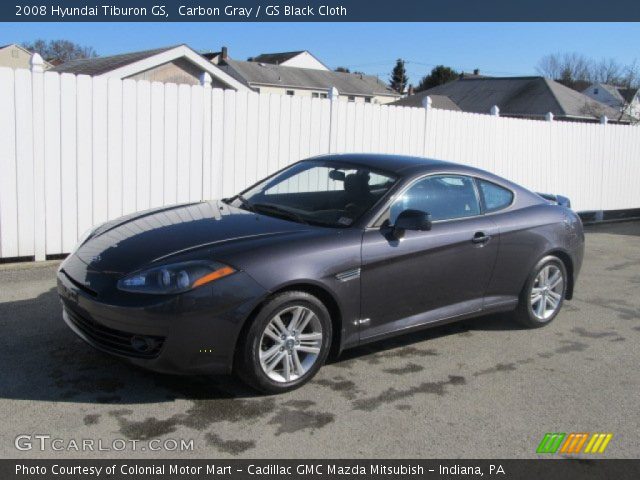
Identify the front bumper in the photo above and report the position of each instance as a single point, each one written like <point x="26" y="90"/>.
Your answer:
<point x="191" y="333"/>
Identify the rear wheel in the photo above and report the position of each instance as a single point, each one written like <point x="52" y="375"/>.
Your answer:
<point x="542" y="296"/>
<point x="286" y="344"/>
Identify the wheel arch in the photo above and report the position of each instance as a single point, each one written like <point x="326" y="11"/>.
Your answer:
<point x="565" y="258"/>
<point x="312" y="288"/>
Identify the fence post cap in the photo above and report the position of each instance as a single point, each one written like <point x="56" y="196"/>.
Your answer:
<point x="37" y="63"/>
<point x="495" y="111"/>
<point x="427" y="101"/>
<point x="333" y="93"/>
<point x="205" y="79"/>
<point x="604" y="120"/>
<point x="549" y="117"/>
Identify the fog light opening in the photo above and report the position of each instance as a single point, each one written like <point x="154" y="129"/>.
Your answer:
<point x="143" y="344"/>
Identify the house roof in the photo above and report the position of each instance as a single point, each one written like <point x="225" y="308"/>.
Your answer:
<point x="517" y="96"/>
<point x="282" y="57"/>
<point x="441" y="102"/>
<point x="210" y="55"/>
<point x="276" y="58"/>
<point x="260" y="74"/>
<point x="100" y="65"/>
<point x="621" y="93"/>
<point x="128" y="64"/>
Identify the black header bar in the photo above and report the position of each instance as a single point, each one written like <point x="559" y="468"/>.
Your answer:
<point x="319" y="11"/>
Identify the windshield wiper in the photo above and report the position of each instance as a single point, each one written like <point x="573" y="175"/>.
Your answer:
<point x="276" y="210"/>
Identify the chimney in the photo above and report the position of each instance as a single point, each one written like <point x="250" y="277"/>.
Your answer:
<point x="410" y="92"/>
<point x="476" y="71"/>
<point x="224" y="54"/>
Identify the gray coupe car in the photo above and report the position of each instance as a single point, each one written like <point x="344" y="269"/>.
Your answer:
<point x="329" y="253"/>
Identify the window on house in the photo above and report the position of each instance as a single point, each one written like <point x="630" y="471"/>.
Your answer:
<point x="367" y="100"/>
<point x="323" y="95"/>
<point x="14" y="53"/>
<point x="352" y="98"/>
<point x="595" y="91"/>
<point x="291" y="93"/>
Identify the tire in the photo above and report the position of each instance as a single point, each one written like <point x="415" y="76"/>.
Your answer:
<point x="539" y="308"/>
<point x="293" y="359"/>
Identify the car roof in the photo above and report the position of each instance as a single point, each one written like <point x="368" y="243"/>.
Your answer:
<point x="398" y="164"/>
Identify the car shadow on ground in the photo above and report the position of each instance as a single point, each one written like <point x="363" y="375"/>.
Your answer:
<point x="43" y="360"/>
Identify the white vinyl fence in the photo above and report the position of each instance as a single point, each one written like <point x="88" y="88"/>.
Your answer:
<point x="76" y="151"/>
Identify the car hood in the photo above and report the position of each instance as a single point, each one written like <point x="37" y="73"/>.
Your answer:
<point x="132" y="242"/>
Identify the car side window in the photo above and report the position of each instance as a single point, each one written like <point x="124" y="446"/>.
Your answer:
<point x="495" y="197"/>
<point x="445" y="197"/>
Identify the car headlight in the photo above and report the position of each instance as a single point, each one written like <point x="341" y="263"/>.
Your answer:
<point x="174" y="278"/>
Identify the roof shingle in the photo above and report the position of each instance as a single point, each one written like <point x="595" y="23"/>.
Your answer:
<point x="517" y="96"/>
<point x="100" y="65"/>
<point x="275" y="58"/>
<point x="256" y="74"/>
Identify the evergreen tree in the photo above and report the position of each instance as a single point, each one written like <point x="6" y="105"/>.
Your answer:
<point x="438" y="76"/>
<point x="399" y="77"/>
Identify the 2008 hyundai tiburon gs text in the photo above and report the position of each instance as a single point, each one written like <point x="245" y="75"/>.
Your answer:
<point x="326" y="254"/>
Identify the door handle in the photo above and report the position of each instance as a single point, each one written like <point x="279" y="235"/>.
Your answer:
<point x="480" y="237"/>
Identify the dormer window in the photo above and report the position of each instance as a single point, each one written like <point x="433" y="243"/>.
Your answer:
<point x="595" y="91"/>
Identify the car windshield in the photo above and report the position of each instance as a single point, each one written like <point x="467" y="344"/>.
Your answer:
<point x="317" y="192"/>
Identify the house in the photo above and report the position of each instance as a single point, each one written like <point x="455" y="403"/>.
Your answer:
<point x="623" y="99"/>
<point x="214" y="57"/>
<point x="311" y="82"/>
<point x="522" y="97"/>
<point x="178" y="64"/>
<point x="14" y="56"/>
<point x="299" y="59"/>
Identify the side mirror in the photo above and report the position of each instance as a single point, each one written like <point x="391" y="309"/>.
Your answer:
<point x="411" y="220"/>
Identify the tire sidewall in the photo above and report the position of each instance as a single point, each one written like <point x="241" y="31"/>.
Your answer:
<point x="251" y="359"/>
<point x="526" y="294"/>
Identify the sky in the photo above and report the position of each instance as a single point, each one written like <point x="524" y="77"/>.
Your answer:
<point x="500" y="49"/>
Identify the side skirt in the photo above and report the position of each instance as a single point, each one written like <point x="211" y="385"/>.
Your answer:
<point x="501" y="304"/>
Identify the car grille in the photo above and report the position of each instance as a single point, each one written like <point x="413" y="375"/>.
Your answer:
<point x="117" y="341"/>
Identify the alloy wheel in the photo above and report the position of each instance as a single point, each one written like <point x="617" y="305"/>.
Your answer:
<point x="546" y="292"/>
<point x="290" y="344"/>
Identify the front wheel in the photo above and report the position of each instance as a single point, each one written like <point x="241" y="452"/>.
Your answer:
<point x="286" y="344"/>
<point x="542" y="296"/>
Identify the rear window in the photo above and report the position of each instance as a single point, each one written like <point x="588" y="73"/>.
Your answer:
<point x="495" y="197"/>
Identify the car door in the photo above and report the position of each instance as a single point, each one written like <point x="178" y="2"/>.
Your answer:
<point x="427" y="276"/>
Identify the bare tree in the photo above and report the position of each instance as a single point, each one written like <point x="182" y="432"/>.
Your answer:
<point x="571" y="69"/>
<point x="631" y="75"/>
<point x="607" y="70"/>
<point x="60" y="51"/>
<point x="577" y="71"/>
